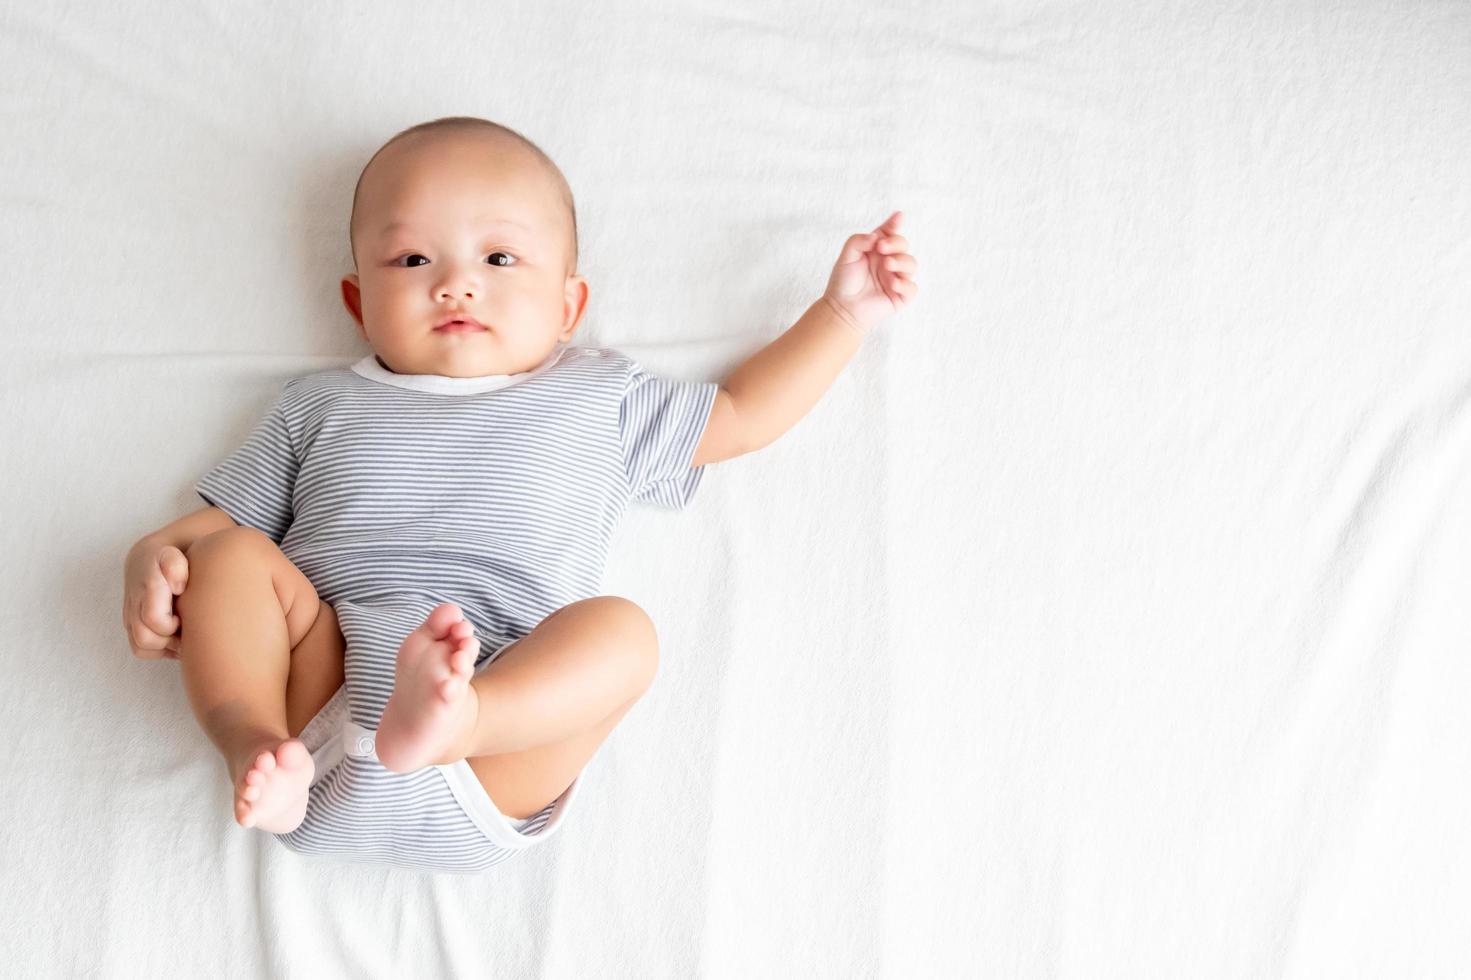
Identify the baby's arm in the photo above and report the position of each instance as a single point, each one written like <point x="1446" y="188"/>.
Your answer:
<point x="780" y="383"/>
<point x="189" y="528"/>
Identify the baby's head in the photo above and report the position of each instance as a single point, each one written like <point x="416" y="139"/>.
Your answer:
<point x="463" y="217"/>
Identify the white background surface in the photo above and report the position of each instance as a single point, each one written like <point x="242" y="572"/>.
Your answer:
<point x="1107" y="618"/>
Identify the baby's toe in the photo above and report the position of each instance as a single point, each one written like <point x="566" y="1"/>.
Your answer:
<point x="292" y="754"/>
<point x="442" y="618"/>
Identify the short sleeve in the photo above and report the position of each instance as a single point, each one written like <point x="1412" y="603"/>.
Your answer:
<point x="254" y="484"/>
<point x="660" y="422"/>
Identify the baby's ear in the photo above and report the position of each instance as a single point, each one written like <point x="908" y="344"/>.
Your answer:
<point x="352" y="297"/>
<point x="574" y="304"/>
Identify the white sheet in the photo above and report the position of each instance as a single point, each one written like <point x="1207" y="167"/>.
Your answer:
<point x="1107" y="618"/>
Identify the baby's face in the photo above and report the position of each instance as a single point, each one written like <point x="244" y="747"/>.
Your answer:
<point x="462" y="226"/>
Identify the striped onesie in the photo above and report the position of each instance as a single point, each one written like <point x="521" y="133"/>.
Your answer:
<point x="393" y="493"/>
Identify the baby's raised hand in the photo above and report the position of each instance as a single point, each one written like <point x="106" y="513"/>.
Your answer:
<point x="152" y="575"/>
<point x="873" y="278"/>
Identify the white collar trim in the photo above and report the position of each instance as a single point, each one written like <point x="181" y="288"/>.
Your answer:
<point x="439" y="384"/>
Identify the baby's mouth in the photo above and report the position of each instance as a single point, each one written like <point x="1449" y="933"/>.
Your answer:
<point x="459" y="325"/>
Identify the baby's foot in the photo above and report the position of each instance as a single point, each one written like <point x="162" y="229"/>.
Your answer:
<point x="272" y="793"/>
<point x="432" y="705"/>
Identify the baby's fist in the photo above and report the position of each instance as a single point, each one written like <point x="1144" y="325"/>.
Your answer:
<point x="873" y="277"/>
<point x="152" y="576"/>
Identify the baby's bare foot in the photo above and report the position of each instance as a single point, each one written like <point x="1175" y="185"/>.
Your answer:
<point x="432" y="706"/>
<point x="272" y="793"/>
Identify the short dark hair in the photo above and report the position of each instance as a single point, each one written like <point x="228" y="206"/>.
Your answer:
<point x="471" y="124"/>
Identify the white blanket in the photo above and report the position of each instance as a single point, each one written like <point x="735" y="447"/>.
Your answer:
<point x="1108" y="617"/>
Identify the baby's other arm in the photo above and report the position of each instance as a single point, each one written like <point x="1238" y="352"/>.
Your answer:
<point x="772" y="390"/>
<point x="189" y="528"/>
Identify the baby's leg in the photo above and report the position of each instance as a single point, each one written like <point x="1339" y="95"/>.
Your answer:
<point x="531" y="719"/>
<point x="260" y="654"/>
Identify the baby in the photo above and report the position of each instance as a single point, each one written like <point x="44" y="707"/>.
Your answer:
<point x="460" y="484"/>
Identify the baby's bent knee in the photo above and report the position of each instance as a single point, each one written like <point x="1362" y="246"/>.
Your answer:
<point x="634" y="629"/>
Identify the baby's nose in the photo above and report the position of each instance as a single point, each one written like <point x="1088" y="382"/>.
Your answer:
<point x="458" y="281"/>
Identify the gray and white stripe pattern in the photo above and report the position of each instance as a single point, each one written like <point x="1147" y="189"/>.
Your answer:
<point x="394" y="493"/>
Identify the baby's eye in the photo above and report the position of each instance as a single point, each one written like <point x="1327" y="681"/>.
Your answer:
<point x="412" y="255"/>
<point x="492" y="256"/>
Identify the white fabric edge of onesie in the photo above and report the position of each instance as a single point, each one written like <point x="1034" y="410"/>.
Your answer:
<point x="322" y="736"/>
<point x="482" y="811"/>
<point x="439" y="384"/>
